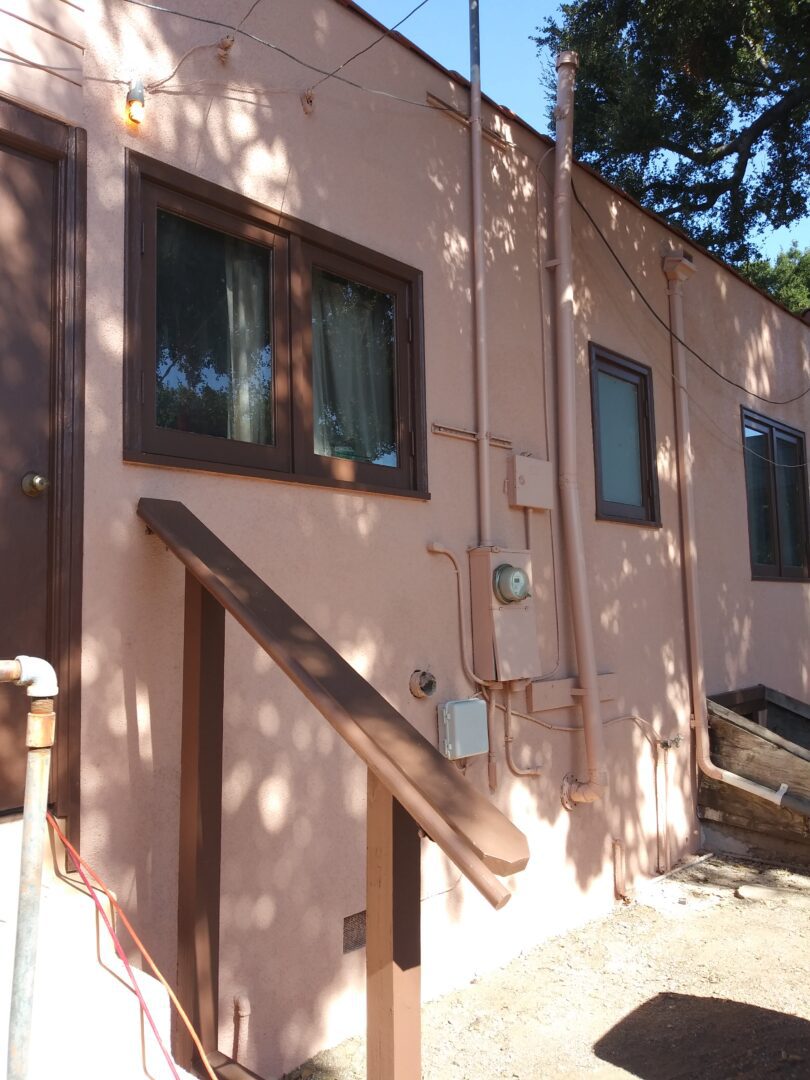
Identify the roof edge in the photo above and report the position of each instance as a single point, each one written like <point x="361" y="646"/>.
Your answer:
<point x="464" y="82"/>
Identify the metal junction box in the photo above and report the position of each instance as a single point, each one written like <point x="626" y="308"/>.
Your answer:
<point x="504" y="633"/>
<point x="463" y="728"/>
<point x="530" y="482"/>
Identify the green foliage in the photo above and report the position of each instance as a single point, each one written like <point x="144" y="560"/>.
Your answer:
<point x="700" y="110"/>
<point x="787" y="279"/>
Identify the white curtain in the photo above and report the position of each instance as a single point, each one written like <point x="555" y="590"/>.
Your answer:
<point x="353" y="370"/>
<point x="248" y="349"/>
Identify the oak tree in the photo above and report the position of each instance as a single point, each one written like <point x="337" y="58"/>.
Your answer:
<point x="699" y="110"/>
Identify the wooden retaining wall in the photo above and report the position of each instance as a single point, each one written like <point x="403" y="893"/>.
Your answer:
<point x="739" y="823"/>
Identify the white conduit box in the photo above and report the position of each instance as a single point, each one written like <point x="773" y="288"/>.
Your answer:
<point x="530" y="482"/>
<point x="463" y="728"/>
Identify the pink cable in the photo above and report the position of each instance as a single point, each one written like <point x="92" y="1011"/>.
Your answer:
<point x="119" y="949"/>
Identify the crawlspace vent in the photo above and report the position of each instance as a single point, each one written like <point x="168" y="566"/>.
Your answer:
<point x="354" y="932"/>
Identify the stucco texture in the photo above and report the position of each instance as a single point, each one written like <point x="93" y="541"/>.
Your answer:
<point x="395" y="176"/>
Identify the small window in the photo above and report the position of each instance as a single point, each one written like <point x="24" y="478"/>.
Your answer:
<point x="258" y="344"/>
<point x="624" y="439"/>
<point x="776" y="487"/>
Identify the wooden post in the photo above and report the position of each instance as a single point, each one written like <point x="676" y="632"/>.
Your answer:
<point x="393" y="950"/>
<point x="200" y="817"/>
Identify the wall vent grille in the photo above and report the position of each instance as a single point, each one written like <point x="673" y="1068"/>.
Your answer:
<point x="354" y="932"/>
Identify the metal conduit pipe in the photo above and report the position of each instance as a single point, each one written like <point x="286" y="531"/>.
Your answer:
<point x="479" y="263"/>
<point x="508" y="739"/>
<point x="591" y="790"/>
<point x="656" y="742"/>
<point x="440" y="549"/>
<point x="678" y="268"/>
<point x="40" y="679"/>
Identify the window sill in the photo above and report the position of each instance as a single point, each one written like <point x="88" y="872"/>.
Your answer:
<point x="780" y="578"/>
<point x="165" y="461"/>
<point x="644" y="523"/>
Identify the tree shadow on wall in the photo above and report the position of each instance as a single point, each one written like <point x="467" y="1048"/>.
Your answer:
<point x="675" y="1036"/>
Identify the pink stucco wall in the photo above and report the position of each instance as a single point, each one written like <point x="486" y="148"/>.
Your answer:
<point x="395" y="177"/>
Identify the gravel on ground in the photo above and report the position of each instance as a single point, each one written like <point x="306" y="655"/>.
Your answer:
<point x="688" y="980"/>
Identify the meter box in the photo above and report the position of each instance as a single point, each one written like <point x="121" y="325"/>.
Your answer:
<point x="463" y="728"/>
<point x="504" y="624"/>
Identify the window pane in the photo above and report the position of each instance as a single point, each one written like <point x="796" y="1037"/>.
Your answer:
<point x="760" y="496"/>
<point x="790" y="478"/>
<point x="353" y="370"/>
<point x="619" y="440"/>
<point x="214" y="361"/>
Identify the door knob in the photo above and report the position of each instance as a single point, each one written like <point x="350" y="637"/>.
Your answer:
<point x="34" y="484"/>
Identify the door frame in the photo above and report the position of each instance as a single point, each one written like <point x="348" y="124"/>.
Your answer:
<point x="65" y="146"/>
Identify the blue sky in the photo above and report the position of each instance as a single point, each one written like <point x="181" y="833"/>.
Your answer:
<point x="510" y="67"/>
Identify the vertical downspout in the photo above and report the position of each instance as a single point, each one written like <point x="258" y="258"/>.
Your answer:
<point x="678" y="268"/>
<point x="481" y="375"/>
<point x="590" y="790"/>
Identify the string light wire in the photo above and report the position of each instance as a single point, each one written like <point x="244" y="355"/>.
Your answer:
<point x="367" y="48"/>
<point x="284" y="52"/>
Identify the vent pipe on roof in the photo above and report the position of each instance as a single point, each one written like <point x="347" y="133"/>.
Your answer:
<point x="591" y="790"/>
<point x="479" y="262"/>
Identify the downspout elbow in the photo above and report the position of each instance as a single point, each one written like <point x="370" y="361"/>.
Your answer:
<point x="582" y="792"/>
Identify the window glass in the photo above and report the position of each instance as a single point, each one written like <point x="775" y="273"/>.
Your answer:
<point x="619" y="441"/>
<point x="789" y="500"/>
<point x="760" y="505"/>
<point x="353" y="370"/>
<point x="214" y="357"/>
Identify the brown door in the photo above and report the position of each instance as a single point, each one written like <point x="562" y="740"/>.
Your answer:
<point x="28" y="230"/>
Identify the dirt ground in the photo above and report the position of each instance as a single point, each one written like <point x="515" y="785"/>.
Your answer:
<point x="689" y="980"/>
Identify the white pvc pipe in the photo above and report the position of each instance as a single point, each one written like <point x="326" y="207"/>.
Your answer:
<point x="479" y="263"/>
<point x="38" y="676"/>
<point x="592" y="789"/>
<point x="679" y="268"/>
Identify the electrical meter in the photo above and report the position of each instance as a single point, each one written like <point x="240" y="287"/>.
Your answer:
<point x="511" y="583"/>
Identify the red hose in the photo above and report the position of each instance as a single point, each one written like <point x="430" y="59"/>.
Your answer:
<point x="123" y="956"/>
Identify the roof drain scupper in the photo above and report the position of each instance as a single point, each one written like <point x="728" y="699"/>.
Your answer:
<point x="574" y="791"/>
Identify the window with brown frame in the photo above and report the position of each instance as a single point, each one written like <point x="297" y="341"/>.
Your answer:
<point x="623" y="439"/>
<point x="776" y="490"/>
<point x="261" y="345"/>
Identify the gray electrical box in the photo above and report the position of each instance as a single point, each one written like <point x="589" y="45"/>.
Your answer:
<point x="463" y="728"/>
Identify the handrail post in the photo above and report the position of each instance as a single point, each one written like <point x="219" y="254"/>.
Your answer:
<point x="39" y="739"/>
<point x="200" y="817"/>
<point x="393" y="939"/>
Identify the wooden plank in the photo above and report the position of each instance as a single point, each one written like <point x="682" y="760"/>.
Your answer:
<point x="200" y="817"/>
<point x="475" y="835"/>
<point x="748" y="699"/>
<point x="746" y="811"/>
<point x="718" y="836"/>
<point x="393" y="951"/>
<point x="719" y="714"/>
<point x="543" y="695"/>
<point x="793" y="705"/>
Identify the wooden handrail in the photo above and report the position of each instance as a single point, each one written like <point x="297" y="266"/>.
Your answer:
<point x="472" y="832"/>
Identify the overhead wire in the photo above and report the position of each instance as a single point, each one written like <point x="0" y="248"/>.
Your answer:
<point x="284" y="52"/>
<point x="725" y="437"/>
<point x="367" y="48"/>
<point x="706" y="363"/>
